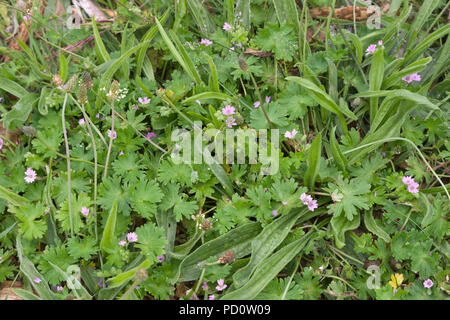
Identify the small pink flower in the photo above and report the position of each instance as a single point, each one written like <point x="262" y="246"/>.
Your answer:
<point x="122" y="243"/>
<point x="211" y="297"/>
<point x="198" y="102"/>
<point x="221" y="285"/>
<point x="370" y="49"/>
<point x="112" y="134"/>
<point x="267" y="99"/>
<point x="84" y="211"/>
<point x="144" y="100"/>
<point x="312" y="205"/>
<point x="228" y="110"/>
<point x="256" y="104"/>
<point x="30" y="175"/>
<point x="1" y="143"/>
<point x="205" y="285"/>
<point x="206" y="42"/>
<point x="199" y="264"/>
<point x="380" y="43"/>
<point x="284" y="203"/>
<point x="412" y="77"/>
<point x="81" y="121"/>
<point x="226" y="26"/>
<point x="428" y="283"/>
<point x="121" y="153"/>
<point x="407" y="180"/>
<point x="37" y="280"/>
<point x="97" y="115"/>
<point x="160" y="258"/>
<point x="308" y="201"/>
<point x="150" y="135"/>
<point x="132" y="237"/>
<point x="290" y="135"/>
<point x="59" y="288"/>
<point x="413" y="188"/>
<point x="274" y="212"/>
<point x="230" y="122"/>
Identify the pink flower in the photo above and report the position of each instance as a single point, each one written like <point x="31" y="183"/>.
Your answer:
<point x="312" y="205"/>
<point x="132" y="237"/>
<point x="380" y="43"/>
<point x="413" y="186"/>
<point x="370" y="49"/>
<point x="150" y="135"/>
<point x="230" y="122"/>
<point x="160" y="258"/>
<point x="305" y="198"/>
<point x="211" y="297"/>
<point x="37" y="280"/>
<point x="198" y="102"/>
<point x="284" y="203"/>
<point x="121" y="153"/>
<point x="84" y="211"/>
<point x="81" y="121"/>
<point x="290" y="135"/>
<point x="267" y="99"/>
<point x="407" y="180"/>
<point x="274" y="212"/>
<point x="308" y="201"/>
<point x="199" y="264"/>
<point x="205" y="285"/>
<point x="122" y="243"/>
<point x="412" y="77"/>
<point x="97" y="115"/>
<point x="144" y="100"/>
<point x="59" y="288"/>
<point x="206" y="42"/>
<point x="428" y="283"/>
<point x="1" y="143"/>
<point x="221" y="285"/>
<point x="228" y="110"/>
<point x="226" y="26"/>
<point x="30" y="175"/>
<point x="256" y="104"/>
<point x="112" y="134"/>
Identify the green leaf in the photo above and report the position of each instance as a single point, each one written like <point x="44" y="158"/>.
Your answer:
<point x="21" y="110"/>
<point x="126" y="276"/>
<point x="12" y="197"/>
<point x="110" y="227"/>
<point x="206" y="96"/>
<point x="13" y="88"/>
<point x="340" y="225"/>
<point x="338" y="157"/>
<point x="265" y="243"/>
<point x="353" y="195"/>
<point x="218" y="246"/>
<point x="322" y="97"/>
<point x="30" y="271"/>
<point x="268" y="269"/>
<point x="313" y="162"/>
<point x="102" y="54"/>
<point x="374" y="227"/>
<point x="376" y="78"/>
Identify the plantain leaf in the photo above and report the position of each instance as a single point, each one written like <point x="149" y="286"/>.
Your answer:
<point x="374" y="227"/>
<point x="268" y="269"/>
<point x="110" y="227"/>
<point x="313" y="162"/>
